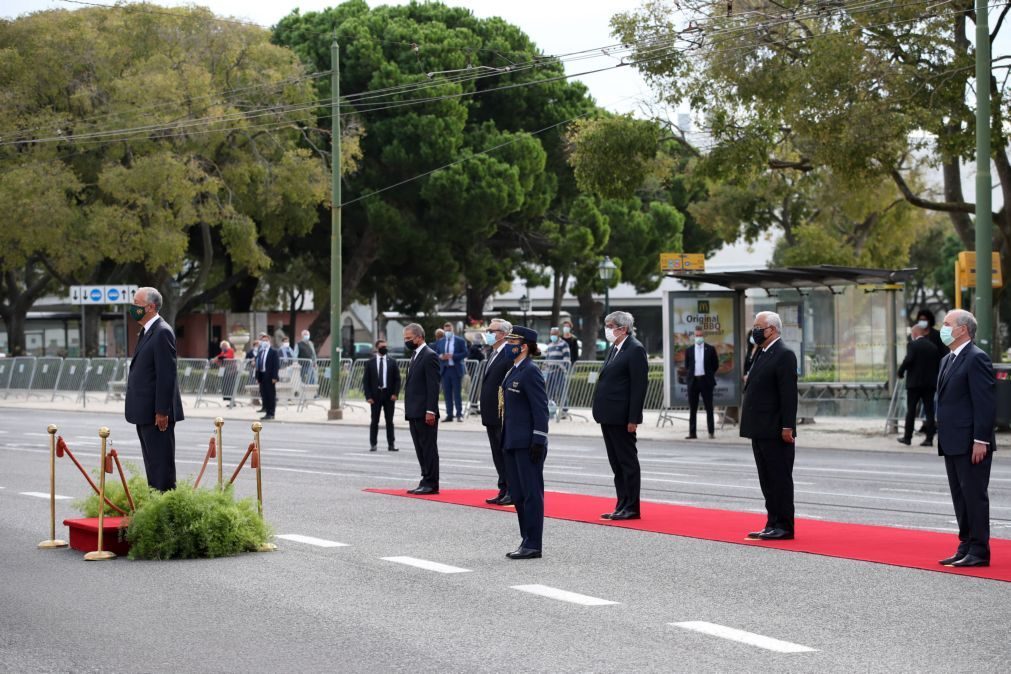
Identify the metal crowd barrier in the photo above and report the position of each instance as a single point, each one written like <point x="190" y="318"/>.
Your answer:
<point x="6" y="367"/>
<point x="22" y="369"/>
<point x="99" y="372"/>
<point x="45" y="376"/>
<point x="70" y="381"/>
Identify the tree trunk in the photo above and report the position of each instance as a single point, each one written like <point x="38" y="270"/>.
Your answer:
<point x="558" y="292"/>
<point x="14" y="323"/>
<point x="590" y="311"/>
<point x="92" y="330"/>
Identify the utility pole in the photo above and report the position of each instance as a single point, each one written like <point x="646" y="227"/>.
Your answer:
<point x="984" y="220"/>
<point x="336" y="265"/>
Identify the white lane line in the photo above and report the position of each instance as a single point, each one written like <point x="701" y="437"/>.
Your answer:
<point x="563" y="595"/>
<point x="36" y="435"/>
<point x="270" y="450"/>
<point x="426" y="564"/>
<point x="657" y="472"/>
<point x="750" y="638"/>
<point x="39" y="494"/>
<point x="311" y="540"/>
<point x="914" y="491"/>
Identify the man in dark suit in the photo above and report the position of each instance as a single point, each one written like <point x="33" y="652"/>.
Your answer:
<point x="571" y="340"/>
<point x="421" y="405"/>
<point x="381" y="384"/>
<point x="268" y="367"/>
<point x="769" y="418"/>
<point x="966" y="412"/>
<point x="618" y="400"/>
<point x="525" y="439"/>
<point x="921" y="366"/>
<point x="701" y="363"/>
<point x="495" y="370"/>
<point x="452" y="352"/>
<point x="152" y="390"/>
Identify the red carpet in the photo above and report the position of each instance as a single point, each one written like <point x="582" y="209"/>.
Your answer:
<point x="882" y="545"/>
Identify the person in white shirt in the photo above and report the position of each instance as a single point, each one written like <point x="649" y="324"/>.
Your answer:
<point x="701" y="363"/>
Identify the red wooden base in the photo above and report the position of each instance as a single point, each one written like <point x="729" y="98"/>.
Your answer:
<point x="84" y="534"/>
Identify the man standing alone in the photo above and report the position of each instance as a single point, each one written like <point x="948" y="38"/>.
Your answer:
<point x="618" y="400"/>
<point x="421" y="404"/>
<point x="701" y="363"/>
<point x="769" y="418"/>
<point x="452" y="352"/>
<point x="268" y="368"/>
<point x="966" y="411"/>
<point x="919" y="368"/>
<point x="152" y="390"/>
<point x="381" y="384"/>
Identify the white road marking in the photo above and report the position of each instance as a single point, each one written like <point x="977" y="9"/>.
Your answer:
<point x="743" y="637"/>
<point x="914" y="491"/>
<point x="36" y="435"/>
<point x="270" y="450"/>
<point x="563" y="595"/>
<point x="426" y="564"/>
<point x="311" y="540"/>
<point x="656" y="472"/>
<point x="39" y="494"/>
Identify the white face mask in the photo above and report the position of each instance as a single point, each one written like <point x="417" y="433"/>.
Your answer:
<point x="305" y="337"/>
<point x="923" y="324"/>
<point x="609" y="335"/>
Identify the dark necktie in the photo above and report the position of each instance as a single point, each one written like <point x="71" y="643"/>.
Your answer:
<point x="382" y="380"/>
<point x="948" y="362"/>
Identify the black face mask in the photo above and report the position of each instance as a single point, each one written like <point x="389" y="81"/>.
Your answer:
<point x="383" y="350"/>
<point x="758" y="334"/>
<point x="410" y="346"/>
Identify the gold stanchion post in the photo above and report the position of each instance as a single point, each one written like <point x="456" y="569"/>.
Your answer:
<point x="219" y="422"/>
<point x="53" y="542"/>
<point x="103" y="433"/>
<point x="257" y="427"/>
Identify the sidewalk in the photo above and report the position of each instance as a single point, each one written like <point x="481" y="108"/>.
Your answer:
<point x="827" y="432"/>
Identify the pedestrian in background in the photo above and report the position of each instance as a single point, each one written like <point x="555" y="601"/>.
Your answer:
<point x="701" y="363"/>
<point x="966" y="413"/>
<point x="452" y="352"/>
<point x="225" y="352"/>
<point x="920" y="369"/>
<point x="306" y="351"/>
<point x="381" y="385"/>
<point x="268" y="364"/>
<point x="618" y="400"/>
<point x="769" y="418"/>
<point x="525" y="439"/>
<point x="153" y="402"/>
<point x="558" y="360"/>
<point x="499" y="363"/>
<point x="570" y="340"/>
<point x="421" y="405"/>
<point x="286" y="351"/>
<point x="925" y="320"/>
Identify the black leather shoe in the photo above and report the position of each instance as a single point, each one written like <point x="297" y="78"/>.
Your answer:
<point x="927" y="443"/>
<point x="756" y="535"/>
<point x="691" y="437"/>
<point x="426" y="491"/>
<point x="459" y="417"/>
<point x="951" y="560"/>
<point x="266" y="417"/>
<point x="506" y="500"/>
<point x="413" y="491"/>
<point x="392" y="449"/>
<point x="776" y="535"/>
<point x="372" y="448"/>
<point x="904" y="441"/>
<point x="712" y="436"/>
<point x="969" y="561"/>
<point x="625" y="515"/>
<point x="494" y="499"/>
<point x="607" y="516"/>
<point x="447" y="419"/>
<point x="524" y="553"/>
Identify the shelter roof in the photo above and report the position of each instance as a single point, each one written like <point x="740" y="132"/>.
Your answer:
<point x="829" y="276"/>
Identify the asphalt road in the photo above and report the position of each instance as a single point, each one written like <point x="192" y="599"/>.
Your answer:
<point x="351" y="608"/>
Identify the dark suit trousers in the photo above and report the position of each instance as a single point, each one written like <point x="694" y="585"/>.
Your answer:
<point x="452" y="391"/>
<point x="774" y="459"/>
<point x="426" y="446"/>
<point x="495" y="442"/>
<point x="968" y="485"/>
<point x="914" y="396"/>
<point x="382" y="405"/>
<point x="159" y="451"/>
<point x="624" y="459"/>
<point x="526" y="487"/>
<point x="696" y="388"/>
<point x="268" y="395"/>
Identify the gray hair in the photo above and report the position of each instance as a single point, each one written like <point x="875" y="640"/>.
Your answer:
<point x="963" y="317"/>
<point x="151" y="296"/>
<point x="415" y="330"/>
<point x="772" y="318"/>
<point x="622" y="319"/>
<point x="504" y="325"/>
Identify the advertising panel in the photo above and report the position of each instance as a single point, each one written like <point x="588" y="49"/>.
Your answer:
<point x="716" y="313"/>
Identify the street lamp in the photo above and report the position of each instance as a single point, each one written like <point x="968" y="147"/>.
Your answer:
<point x="606" y="270"/>
<point x="524" y="307"/>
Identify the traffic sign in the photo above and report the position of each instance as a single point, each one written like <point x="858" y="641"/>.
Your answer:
<point x="682" y="262"/>
<point x="966" y="270"/>
<point x="118" y="294"/>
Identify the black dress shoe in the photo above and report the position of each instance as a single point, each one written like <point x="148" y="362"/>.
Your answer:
<point x="691" y="437"/>
<point x="951" y="560"/>
<point x="625" y="515"/>
<point x="776" y="535"/>
<point x="493" y="500"/>
<point x="927" y="443"/>
<point x="524" y="553"/>
<point x="607" y="516"/>
<point x="392" y="449"/>
<point x="372" y="448"/>
<point x="904" y="441"/>
<point x="266" y="417"/>
<point x="413" y="491"/>
<point x="447" y="419"/>
<point x="969" y="561"/>
<point x="506" y="500"/>
<point x="712" y="436"/>
<point x="426" y="491"/>
<point x="757" y="535"/>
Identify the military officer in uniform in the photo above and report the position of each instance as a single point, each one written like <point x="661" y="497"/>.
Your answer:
<point x="524" y="406"/>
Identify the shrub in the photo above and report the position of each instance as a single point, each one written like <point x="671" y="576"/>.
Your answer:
<point x="139" y="489"/>
<point x="188" y="523"/>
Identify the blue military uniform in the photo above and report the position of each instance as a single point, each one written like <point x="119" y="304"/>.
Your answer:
<point x="524" y="404"/>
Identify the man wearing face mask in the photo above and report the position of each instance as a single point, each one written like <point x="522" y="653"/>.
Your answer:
<point x="152" y="390"/>
<point x="421" y="404"/>
<point x="524" y="405"/>
<point x="701" y="363"/>
<point x="966" y="412"/>
<point x="919" y="368"/>
<point x="769" y="418"/>
<point x="452" y="352"/>
<point x="268" y="368"/>
<point x="556" y="368"/>
<point x="495" y="369"/>
<point x="381" y="384"/>
<point x="570" y="340"/>
<point x="618" y="400"/>
<point x="306" y="351"/>
<point x="925" y="321"/>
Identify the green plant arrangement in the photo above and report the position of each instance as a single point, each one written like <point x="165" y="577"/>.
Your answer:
<point x="139" y="489"/>
<point x="188" y="523"/>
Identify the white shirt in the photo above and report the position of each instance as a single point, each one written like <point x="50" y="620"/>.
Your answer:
<point x="769" y="345"/>
<point x="700" y="360"/>
<point x="494" y="355"/>
<point x="147" y="326"/>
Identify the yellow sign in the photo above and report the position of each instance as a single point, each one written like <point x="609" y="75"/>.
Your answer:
<point x="966" y="269"/>
<point x="681" y="262"/>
